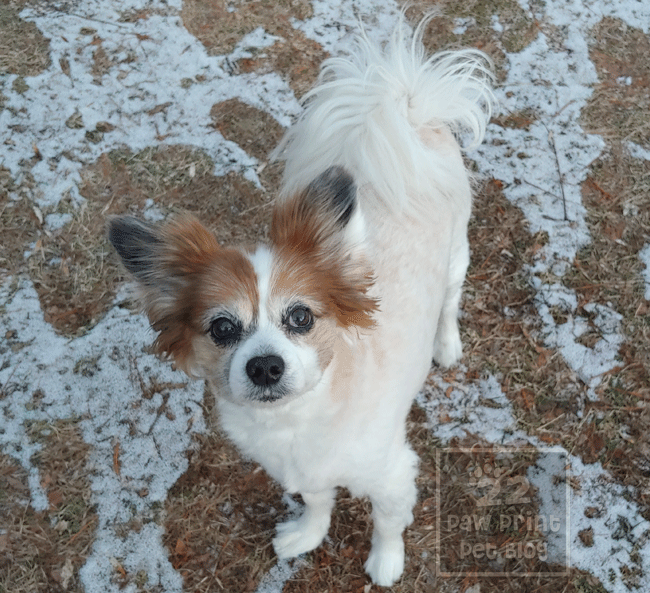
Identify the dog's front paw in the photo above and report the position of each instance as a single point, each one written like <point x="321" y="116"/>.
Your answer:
<point x="447" y="348"/>
<point x="386" y="562"/>
<point x="299" y="536"/>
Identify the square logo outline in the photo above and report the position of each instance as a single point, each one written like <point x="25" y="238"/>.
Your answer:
<point x="491" y="449"/>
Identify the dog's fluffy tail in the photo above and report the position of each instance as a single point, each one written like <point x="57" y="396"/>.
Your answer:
<point x="367" y="110"/>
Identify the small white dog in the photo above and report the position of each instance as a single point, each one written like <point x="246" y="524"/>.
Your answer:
<point x="317" y="342"/>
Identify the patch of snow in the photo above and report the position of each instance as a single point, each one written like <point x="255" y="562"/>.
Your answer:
<point x="96" y="379"/>
<point x="621" y="535"/>
<point x="590" y="363"/>
<point x="462" y="24"/>
<point x="496" y="24"/>
<point x="57" y="220"/>
<point x="334" y="24"/>
<point x="251" y="43"/>
<point x="275" y="580"/>
<point x="469" y="408"/>
<point x="152" y="212"/>
<point x="638" y="152"/>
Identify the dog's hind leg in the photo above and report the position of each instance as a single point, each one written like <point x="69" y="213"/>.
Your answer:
<point x="302" y="535"/>
<point x="392" y="511"/>
<point x="447" y="347"/>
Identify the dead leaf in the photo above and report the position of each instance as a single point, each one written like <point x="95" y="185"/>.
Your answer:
<point x="527" y="398"/>
<point x="116" y="458"/>
<point x="158" y="108"/>
<point x="614" y="231"/>
<point x="54" y="497"/>
<point x="67" y="572"/>
<point x="115" y="563"/>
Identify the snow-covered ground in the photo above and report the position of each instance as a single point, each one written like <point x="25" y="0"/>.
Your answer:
<point x="545" y="184"/>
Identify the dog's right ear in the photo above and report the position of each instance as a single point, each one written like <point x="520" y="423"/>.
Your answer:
<point x="324" y="215"/>
<point x="167" y="261"/>
<point x="162" y="258"/>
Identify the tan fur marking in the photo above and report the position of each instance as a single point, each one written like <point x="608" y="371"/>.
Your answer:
<point x="312" y="262"/>
<point x="202" y="275"/>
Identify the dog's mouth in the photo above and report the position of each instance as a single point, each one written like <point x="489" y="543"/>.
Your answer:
<point x="268" y="394"/>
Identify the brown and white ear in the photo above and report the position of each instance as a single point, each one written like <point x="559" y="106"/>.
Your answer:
<point x="163" y="259"/>
<point x="323" y="225"/>
<point x="326" y="213"/>
<point x="166" y="262"/>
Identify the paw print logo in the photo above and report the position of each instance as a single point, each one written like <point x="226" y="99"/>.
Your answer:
<point x="502" y="489"/>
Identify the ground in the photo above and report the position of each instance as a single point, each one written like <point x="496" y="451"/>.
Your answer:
<point x="113" y="475"/>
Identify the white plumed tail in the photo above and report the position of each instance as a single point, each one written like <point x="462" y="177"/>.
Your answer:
<point x="367" y="108"/>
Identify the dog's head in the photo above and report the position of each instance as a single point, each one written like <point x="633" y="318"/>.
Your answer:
<point x="260" y="322"/>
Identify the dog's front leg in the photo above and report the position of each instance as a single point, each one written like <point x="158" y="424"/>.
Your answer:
<point x="302" y="535"/>
<point x="392" y="505"/>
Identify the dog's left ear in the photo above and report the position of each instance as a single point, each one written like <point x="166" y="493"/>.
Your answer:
<point x="325" y="214"/>
<point x="321" y="230"/>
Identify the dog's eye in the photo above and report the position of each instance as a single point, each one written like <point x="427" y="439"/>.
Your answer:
<point x="224" y="331"/>
<point x="300" y="319"/>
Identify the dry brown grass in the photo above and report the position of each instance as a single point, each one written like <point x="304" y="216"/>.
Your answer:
<point x="219" y="520"/>
<point x="518" y="29"/>
<point x="44" y="551"/>
<point x="19" y="224"/>
<point x="294" y="56"/>
<point x="619" y="106"/>
<point x="23" y="48"/>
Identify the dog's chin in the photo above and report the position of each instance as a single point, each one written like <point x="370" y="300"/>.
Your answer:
<point x="268" y="396"/>
<point x="276" y="395"/>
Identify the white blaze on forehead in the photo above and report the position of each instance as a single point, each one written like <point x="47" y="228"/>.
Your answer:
<point x="262" y="261"/>
<point x="301" y="370"/>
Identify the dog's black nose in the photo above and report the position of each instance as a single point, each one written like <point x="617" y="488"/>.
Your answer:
<point x="265" y="370"/>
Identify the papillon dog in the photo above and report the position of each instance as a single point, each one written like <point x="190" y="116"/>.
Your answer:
<point x="317" y="342"/>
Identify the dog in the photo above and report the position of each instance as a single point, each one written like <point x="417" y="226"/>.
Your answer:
<point x="317" y="342"/>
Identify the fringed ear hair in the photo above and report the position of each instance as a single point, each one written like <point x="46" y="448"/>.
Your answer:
<point x="320" y="231"/>
<point x="166" y="262"/>
<point x="325" y="211"/>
